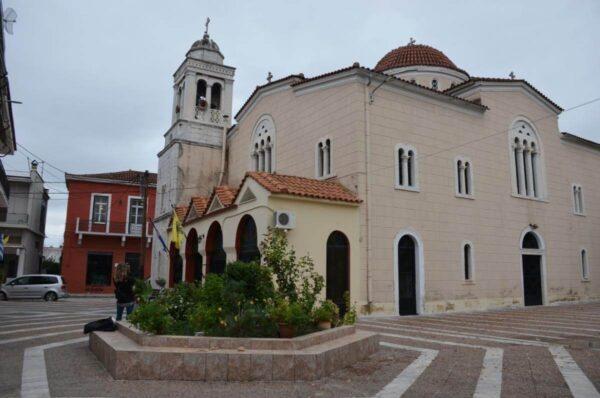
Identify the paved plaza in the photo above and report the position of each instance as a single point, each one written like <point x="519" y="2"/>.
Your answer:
<point x="551" y="351"/>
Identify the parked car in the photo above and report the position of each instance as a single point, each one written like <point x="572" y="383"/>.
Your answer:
<point x="48" y="287"/>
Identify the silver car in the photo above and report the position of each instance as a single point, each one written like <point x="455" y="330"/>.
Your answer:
<point x="48" y="287"/>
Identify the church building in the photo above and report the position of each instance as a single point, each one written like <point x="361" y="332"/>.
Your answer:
<point x="414" y="186"/>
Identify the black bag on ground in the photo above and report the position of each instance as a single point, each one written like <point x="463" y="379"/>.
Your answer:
<point x="101" y="325"/>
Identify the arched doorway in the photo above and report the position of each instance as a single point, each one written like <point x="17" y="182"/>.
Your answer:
<point x="532" y="252"/>
<point x="246" y="242"/>
<point x="175" y="265"/>
<point x="337" y="280"/>
<point x="193" y="259"/>
<point x="215" y="255"/>
<point x="406" y="271"/>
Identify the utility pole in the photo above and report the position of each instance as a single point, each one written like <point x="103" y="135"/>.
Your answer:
<point x="144" y="192"/>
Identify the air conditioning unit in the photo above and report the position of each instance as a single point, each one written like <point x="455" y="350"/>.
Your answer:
<point x="285" y="220"/>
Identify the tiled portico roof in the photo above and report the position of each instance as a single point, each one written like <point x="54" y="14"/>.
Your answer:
<point x="306" y="187"/>
<point x="199" y="205"/>
<point x="181" y="211"/>
<point x="226" y="194"/>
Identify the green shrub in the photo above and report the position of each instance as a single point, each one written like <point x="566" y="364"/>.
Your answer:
<point x="152" y="317"/>
<point x="350" y="315"/>
<point x="235" y="303"/>
<point x="327" y="312"/>
<point x="142" y="290"/>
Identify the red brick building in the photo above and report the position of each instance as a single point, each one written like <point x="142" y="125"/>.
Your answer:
<point x="103" y="227"/>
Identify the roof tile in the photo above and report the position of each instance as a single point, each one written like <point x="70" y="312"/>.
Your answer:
<point x="306" y="187"/>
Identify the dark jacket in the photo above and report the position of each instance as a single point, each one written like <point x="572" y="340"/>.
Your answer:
<point x="124" y="291"/>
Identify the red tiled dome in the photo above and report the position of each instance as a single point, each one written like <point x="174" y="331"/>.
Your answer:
<point x="415" y="54"/>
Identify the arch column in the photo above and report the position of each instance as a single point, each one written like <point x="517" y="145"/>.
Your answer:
<point x="404" y="161"/>
<point x="528" y="171"/>
<point x="520" y="173"/>
<point x="326" y="168"/>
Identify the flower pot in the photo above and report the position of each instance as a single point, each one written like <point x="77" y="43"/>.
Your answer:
<point x="286" y="331"/>
<point x="324" y="325"/>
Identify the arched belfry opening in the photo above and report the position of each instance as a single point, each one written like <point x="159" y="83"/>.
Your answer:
<point x="215" y="254"/>
<point x="215" y="96"/>
<point x="246" y="241"/>
<point x="532" y="259"/>
<point x="193" y="259"/>
<point x="337" y="280"/>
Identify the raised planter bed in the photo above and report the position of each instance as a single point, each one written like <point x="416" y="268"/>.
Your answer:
<point x="129" y="354"/>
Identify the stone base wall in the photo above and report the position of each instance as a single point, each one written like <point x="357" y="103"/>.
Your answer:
<point x="125" y="359"/>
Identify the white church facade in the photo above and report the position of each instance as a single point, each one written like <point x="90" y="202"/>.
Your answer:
<point x="414" y="186"/>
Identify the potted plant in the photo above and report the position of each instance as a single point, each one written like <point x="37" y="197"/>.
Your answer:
<point x="326" y="314"/>
<point x="280" y="313"/>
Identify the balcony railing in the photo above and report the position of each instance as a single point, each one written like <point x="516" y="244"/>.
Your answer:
<point x="209" y="115"/>
<point x="120" y="229"/>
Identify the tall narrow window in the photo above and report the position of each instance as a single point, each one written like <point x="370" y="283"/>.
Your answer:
<point x="467" y="178"/>
<point x="401" y="167"/>
<point x="459" y="176"/>
<point x="135" y="215"/>
<point x="262" y="155"/>
<point x="468" y="262"/>
<point x="410" y="163"/>
<point x="578" y="200"/>
<point x="406" y="167"/>
<point x="323" y="158"/>
<point x="100" y="209"/>
<point x="526" y="161"/>
<point x="215" y="96"/>
<point x="585" y="272"/>
<point x="464" y="177"/>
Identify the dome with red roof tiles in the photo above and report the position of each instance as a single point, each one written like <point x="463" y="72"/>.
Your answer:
<point x="415" y="54"/>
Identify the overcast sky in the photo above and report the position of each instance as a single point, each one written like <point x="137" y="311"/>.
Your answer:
<point x="95" y="77"/>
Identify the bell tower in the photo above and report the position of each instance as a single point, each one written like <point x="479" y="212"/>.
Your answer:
<point x="190" y="162"/>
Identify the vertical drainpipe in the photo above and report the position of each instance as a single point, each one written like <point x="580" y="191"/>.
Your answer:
<point x="367" y="193"/>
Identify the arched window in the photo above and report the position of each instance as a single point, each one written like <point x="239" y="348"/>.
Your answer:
<point x="578" y="200"/>
<point x="215" y="254"/>
<point x="200" y="92"/>
<point x="468" y="262"/>
<point x="406" y="168"/>
<point x="585" y="273"/>
<point x="263" y="152"/>
<point x="526" y="161"/>
<point x="246" y="242"/>
<point x="464" y="177"/>
<point x="323" y="158"/>
<point x="530" y="241"/>
<point x="215" y="96"/>
<point x="434" y="84"/>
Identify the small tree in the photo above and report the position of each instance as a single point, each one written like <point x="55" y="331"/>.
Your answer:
<point x="297" y="280"/>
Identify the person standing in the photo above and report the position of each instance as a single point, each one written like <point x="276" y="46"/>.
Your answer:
<point x="124" y="290"/>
